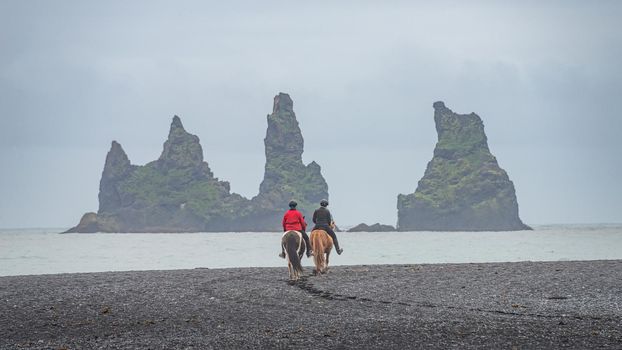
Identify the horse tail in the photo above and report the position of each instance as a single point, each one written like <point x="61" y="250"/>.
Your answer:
<point x="318" y="249"/>
<point x="291" y="246"/>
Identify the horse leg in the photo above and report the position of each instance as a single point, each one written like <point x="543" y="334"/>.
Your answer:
<point x="326" y="262"/>
<point x="316" y="257"/>
<point x="294" y="273"/>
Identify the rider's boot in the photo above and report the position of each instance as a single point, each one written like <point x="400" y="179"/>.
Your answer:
<point x="305" y="237"/>
<point x="337" y="249"/>
<point x="332" y="235"/>
<point x="282" y="255"/>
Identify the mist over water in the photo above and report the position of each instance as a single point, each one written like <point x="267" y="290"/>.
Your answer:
<point x="44" y="251"/>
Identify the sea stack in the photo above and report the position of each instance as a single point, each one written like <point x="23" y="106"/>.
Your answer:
<point x="286" y="177"/>
<point x="176" y="193"/>
<point x="179" y="193"/>
<point x="463" y="188"/>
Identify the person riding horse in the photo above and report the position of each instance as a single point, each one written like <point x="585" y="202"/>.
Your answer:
<point x="323" y="221"/>
<point x="294" y="221"/>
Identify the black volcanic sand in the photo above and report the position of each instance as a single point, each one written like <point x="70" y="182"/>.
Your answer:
<point x="500" y="305"/>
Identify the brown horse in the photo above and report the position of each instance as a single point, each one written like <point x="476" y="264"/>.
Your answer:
<point x="322" y="244"/>
<point x="294" y="247"/>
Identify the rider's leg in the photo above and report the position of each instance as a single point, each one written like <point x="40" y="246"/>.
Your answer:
<point x="308" y="245"/>
<point x="334" y="237"/>
<point x="282" y="255"/>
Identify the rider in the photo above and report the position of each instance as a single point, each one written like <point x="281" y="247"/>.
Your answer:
<point x="294" y="221"/>
<point x="323" y="221"/>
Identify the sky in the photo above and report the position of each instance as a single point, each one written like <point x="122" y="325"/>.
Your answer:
<point x="545" y="77"/>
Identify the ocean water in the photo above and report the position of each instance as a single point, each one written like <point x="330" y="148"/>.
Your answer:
<point x="45" y="251"/>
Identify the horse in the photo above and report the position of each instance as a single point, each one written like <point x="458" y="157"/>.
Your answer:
<point x="322" y="244"/>
<point x="294" y="247"/>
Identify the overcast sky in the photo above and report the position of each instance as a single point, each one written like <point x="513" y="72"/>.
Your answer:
<point x="545" y="78"/>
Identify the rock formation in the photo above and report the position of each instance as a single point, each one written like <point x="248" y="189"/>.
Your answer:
<point x="377" y="227"/>
<point x="179" y="193"/>
<point x="285" y="176"/>
<point x="463" y="188"/>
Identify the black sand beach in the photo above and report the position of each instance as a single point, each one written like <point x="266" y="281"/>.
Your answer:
<point x="525" y="305"/>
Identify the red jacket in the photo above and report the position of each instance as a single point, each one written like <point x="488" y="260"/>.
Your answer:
<point x="293" y="220"/>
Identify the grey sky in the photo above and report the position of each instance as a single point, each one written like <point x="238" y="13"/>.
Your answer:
<point x="546" y="80"/>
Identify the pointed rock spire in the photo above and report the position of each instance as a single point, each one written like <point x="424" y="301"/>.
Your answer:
<point x="283" y="137"/>
<point x="117" y="167"/>
<point x="286" y="176"/>
<point x="181" y="149"/>
<point x="282" y="103"/>
<point x="176" y="123"/>
<point x="178" y="192"/>
<point x="117" y="162"/>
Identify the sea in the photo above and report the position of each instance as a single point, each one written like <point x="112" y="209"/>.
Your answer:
<point x="46" y="251"/>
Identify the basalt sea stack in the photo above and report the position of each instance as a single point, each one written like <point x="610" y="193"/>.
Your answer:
<point x="176" y="193"/>
<point x="463" y="188"/>
<point x="179" y="193"/>
<point x="286" y="177"/>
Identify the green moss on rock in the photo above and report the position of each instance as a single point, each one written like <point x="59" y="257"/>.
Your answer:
<point x="179" y="193"/>
<point x="286" y="177"/>
<point x="463" y="188"/>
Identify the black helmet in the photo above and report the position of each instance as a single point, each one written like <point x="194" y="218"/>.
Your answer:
<point x="324" y="203"/>
<point x="292" y="204"/>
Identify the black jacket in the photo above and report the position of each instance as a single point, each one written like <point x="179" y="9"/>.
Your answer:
<point x="322" y="217"/>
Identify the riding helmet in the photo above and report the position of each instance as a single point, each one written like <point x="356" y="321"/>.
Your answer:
<point x="324" y="203"/>
<point x="292" y="204"/>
